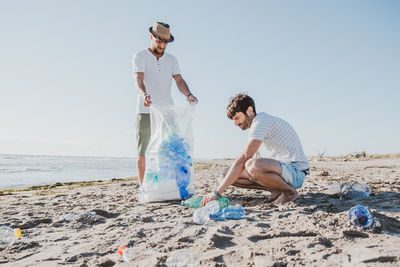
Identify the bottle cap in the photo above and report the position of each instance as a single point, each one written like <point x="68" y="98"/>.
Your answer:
<point x="121" y="250"/>
<point x="17" y="233"/>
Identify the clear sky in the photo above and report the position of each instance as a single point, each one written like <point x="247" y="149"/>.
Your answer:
<point x="330" y="68"/>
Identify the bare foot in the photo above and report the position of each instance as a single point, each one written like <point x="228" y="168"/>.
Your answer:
<point x="286" y="197"/>
<point x="274" y="195"/>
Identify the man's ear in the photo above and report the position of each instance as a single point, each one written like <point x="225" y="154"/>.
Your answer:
<point x="249" y="111"/>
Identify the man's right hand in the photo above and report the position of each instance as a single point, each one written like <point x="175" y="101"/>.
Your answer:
<point x="146" y="100"/>
<point x="208" y="198"/>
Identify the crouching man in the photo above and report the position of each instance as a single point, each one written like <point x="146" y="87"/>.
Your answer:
<point x="283" y="173"/>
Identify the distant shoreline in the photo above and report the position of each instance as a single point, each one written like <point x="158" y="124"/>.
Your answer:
<point x="198" y="164"/>
<point x="47" y="186"/>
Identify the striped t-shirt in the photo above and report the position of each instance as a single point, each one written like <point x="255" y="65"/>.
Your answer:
<point x="279" y="138"/>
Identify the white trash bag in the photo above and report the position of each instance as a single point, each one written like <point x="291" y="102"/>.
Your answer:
<point x="169" y="166"/>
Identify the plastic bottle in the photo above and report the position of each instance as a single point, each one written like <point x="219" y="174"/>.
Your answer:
<point x="359" y="190"/>
<point x="181" y="258"/>
<point x="202" y="215"/>
<point x="195" y="202"/>
<point x="72" y="216"/>
<point x="229" y="213"/>
<point x="183" y="180"/>
<point x="360" y="216"/>
<point x="352" y="190"/>
<point x="130" y="253"/>
<point x="68" y="217"/>
<point x="9" y="235"/>
<point x="151" y="176"/>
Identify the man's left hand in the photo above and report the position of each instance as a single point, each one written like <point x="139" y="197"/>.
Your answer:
<point x="192" y="99"/>
<point x="208" y="198"/>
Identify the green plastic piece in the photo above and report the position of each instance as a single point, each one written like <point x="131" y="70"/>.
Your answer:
<point x="151" y="177"/>
<point x="195" y="202"/>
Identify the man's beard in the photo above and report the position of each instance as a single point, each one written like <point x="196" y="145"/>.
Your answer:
<point x="155" y="51"/>
<point x="246" y="123"/>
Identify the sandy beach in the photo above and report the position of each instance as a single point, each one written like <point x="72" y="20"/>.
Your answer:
<point x="314" y="230"/>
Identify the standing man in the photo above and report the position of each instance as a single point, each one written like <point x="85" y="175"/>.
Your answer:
<point x="283" y="173"/>
<point x="153" y="70"/>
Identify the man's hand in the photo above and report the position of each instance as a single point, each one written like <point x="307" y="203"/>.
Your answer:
<point x="146" y="100"/>
<point x="192" y="99"/>
<point x="184" y="88"/>
<point x="208" y="198"/>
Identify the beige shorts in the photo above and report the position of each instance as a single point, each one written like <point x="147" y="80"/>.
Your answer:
<point x="143" y="132"/>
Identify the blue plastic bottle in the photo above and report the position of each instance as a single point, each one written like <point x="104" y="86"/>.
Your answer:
<point x="360" y="216"/>
<point x="229" y="213"/>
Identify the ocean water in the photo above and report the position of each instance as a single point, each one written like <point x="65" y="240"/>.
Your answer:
<point x="22" y="170"/>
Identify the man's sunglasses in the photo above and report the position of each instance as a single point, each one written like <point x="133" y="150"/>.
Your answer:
<point x="159" y="39"/>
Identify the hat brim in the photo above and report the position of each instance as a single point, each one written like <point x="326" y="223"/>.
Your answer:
<point x="163" y="40"/>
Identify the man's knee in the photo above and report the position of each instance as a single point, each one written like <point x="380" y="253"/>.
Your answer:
<point x="255" y="166"/>
<point x="251" y="167"/>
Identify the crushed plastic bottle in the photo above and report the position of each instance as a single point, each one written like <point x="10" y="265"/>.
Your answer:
<point x="8" y="235"/>
<point x="133" y="252"/>
<point x="360" y="216"/>
<point x="351" y="190"/>
<point x="195" y="202"/>
<point x="67" y="217"/>
<point x="229" y="213"/>
<point x="182" y="258"/>
<point x="72" y="216"/>
<point x="202" y="215"/>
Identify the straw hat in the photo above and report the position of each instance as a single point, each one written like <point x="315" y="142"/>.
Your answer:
<point x="161" y="32"/>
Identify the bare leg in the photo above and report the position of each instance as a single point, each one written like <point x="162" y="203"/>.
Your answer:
<point x="244" y="182"/>
<point x="267" y="172"/>
<point x="141" y="167"/>
<point x="286" y="197"/>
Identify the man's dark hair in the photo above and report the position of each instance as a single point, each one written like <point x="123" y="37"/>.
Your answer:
<point x="239" y="103"/>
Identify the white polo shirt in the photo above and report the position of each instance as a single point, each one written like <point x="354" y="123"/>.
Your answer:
<point x="280" y="138"/>
<point x="157" y="77"/>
